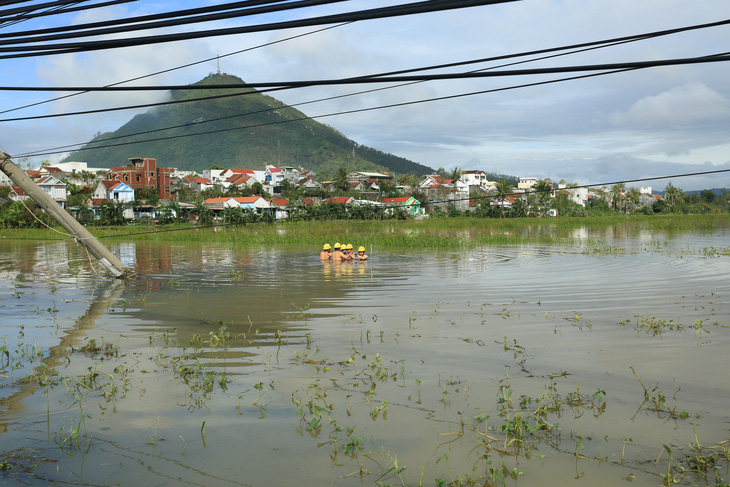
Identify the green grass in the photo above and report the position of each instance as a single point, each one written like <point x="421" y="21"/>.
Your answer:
<point x="444" y="233"/>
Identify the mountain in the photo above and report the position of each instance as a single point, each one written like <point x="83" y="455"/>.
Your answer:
<point x="249" y="130"/>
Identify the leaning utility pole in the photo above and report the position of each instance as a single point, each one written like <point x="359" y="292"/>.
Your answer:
<point x="83" y="236"/>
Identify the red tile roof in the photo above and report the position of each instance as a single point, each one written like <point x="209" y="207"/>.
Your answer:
<point x="238" y="179"/>
<point x="344" y="200"/>
<point x="281" y="202"/>
<point x="401" y="199"/>
<point x="199" y="180"/>
<point x="247" y="199"/>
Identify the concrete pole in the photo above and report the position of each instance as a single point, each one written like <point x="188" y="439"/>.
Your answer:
<point x="84" y="237"/>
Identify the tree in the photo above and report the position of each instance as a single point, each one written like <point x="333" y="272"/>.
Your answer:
<point x="112" y="213"/>
<point x="633" y="196"/>
<point x="341" y="180"/>
<point x="708" y="195"/>
<point x="442" y="173"/>
<point x="543" y="191"/>
<point x="455" y="175"/>
<point x="204" y="214"/>
<point x="504" y="189"/>
<point x="672" y="195"/>
<point x="617" y="194"/>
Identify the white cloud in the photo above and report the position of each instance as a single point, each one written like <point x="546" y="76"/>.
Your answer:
<point x="681" y="105"/>
<point x="590" y="129"/>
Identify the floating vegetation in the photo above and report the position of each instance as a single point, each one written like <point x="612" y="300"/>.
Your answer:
<point x="654" y="326"/>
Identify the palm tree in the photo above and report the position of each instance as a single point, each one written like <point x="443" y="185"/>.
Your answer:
<point x="616" y="194"/>
<point x="205" y="215"/>
<point x="672" y="194"/>
<point x="341" y="180"/>
<point x="504" y="189"/>
<point x="633" y="196"/>
<point x="543" y="190"/>
<point x="455" y="175"/>
<point x="112" y="212"/>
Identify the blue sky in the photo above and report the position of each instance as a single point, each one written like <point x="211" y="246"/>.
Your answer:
<point x="647" y="123"/>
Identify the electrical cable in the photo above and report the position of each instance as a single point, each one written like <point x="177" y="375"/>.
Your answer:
<point x="38" y="6"/>
<point x="584" y="47"/>
<point x="57" y="11"/>
<point x="713" y="58"/>
<point x="129" y="80"/>
<point x="710" y="58"/>
<point x="347" y="112"/>
<point x="602" y="43"/>
<point x="426" y="6"/>
<point x="195" y="16"/>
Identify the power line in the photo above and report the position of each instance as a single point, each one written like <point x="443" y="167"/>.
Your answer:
<point x="582" y="48"/>
<point x="145" y="22"/>
<point x="710" y="58"/>
<point x="60" y="9"/>
<point x="184" y="65"/>
<point x="371" y="14"/>
<point x="191" y="16"/>
<point x="360" y="110"/>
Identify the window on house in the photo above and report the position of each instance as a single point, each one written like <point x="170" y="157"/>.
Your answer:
<point x="139" y="178"/>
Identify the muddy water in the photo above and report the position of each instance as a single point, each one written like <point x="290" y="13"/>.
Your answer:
<point x="220" y="366"/>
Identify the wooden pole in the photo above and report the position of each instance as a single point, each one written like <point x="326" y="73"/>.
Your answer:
<point x="110" y="261"/>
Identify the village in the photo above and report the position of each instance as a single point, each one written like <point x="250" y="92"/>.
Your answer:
<point x="143" y="190"/>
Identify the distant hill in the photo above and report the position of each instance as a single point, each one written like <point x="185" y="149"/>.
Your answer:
<point x="250" y="141"/>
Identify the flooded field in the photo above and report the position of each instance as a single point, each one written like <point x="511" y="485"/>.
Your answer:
<point x="601" y="363"/>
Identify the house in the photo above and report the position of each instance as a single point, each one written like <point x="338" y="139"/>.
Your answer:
<point x="143" y="173"/>
<point x="362" y="175"/>
<point x="306" y="201"/>
<point x="526" y="183"/>
<point x="226" y="174"/>
<point x="274" y="176"/>
<point x="214" y="175"/>
<point x="255" y="204"/>
<point x="576" y="195"/>
<point x="239" y="181"/>
<point x="343" y="200"/>
<point x="280" y="207"/>
<point x="433" y="181"/>
<point x="218" y="204"/>
<point x="308" y="182"/>
<point x="54" y="188"/>
<point x="407" y="203"/>
<point x="114" y="191"/>
<point x="475" y="178"/>
<point x="198" y="184"/>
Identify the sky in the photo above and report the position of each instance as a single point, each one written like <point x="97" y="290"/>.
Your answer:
<point x="648" y="123"/>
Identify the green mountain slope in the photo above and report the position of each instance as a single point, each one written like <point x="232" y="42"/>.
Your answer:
<point x="258" y="130"/>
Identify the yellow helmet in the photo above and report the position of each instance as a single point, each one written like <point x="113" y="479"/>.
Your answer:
<point x="337" y="245"/>
<point x="349" y="246"/>
<point x="361" y="249"/>
<point x="326" y="247"/>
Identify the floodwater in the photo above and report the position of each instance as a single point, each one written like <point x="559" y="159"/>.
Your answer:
<point x="601" y="363"/>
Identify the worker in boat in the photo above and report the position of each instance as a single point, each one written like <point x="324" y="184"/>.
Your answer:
<point x="325" y="254"/>
<point x="338" y="255"/>
<point x="361" y="255"/>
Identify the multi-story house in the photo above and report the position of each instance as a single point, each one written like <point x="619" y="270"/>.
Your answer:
<point x="143" y="173"/>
